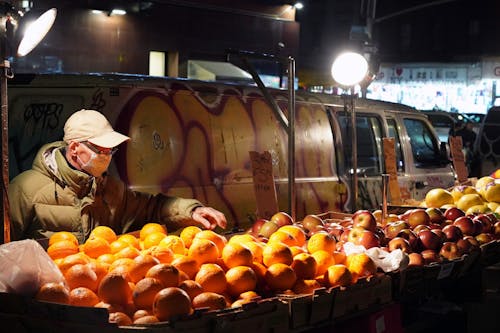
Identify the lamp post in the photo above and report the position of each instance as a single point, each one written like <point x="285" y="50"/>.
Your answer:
<point x="348" y="70"/>
<point x="32" y="36"/>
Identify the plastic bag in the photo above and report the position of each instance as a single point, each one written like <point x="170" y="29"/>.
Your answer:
<point x="25" y="267"/>
<point x="387" y="261"/>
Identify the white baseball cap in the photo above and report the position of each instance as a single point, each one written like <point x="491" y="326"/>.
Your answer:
<point x="92" y="126"/>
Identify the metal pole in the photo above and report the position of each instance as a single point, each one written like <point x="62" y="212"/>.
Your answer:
<point x="4" y="75"/>
<point x="354" y="142"/>
<point x="291" y="137"/>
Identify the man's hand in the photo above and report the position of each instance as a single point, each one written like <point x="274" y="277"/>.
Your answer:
<point x="209" y="217"/>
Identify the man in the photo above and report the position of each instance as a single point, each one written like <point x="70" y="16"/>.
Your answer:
<point x="69" y="189"/>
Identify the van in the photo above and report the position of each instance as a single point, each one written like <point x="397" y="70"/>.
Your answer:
<point x="488" y="147"/>
<point x="193" y="138"/>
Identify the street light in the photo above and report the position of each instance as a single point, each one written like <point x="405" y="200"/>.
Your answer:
<point x="349" y="69"/>
<point x="32" y="36"/>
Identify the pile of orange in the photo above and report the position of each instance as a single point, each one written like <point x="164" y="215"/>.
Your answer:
<point x="156" y="276"/>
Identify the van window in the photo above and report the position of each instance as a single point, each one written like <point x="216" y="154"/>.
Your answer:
<point x="369" y="143"/>
<point x="424" y="145"/>
<point x="394" y="133"/>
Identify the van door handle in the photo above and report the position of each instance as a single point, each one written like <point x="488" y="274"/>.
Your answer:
<point x="420" y="185"/>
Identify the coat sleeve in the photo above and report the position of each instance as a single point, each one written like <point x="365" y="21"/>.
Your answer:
<point x="20" y="209"/>
<point x="134" y="209"/>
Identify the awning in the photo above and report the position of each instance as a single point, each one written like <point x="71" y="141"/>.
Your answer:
<point x="216" y="71"/>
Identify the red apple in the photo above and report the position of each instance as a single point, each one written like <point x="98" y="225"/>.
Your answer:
<point x="268" y="228"/>
<point x="399" y="243"/>
<point x="369" y="239"/>
<point x="379" y="231"/>
<point x="440" y="233"/>
<point x="393" y="228"/>
<point x="364" y="219"/>
<point x="452" y="233"/>
<point x="420" y="228"/>
<point x="473" y="241"/>
<point x="418" y="216"/>
<point x="411" y="237"/>
<point x="486" y="224"/>
<point x="464" y="246"/>
<point x="415" y="259"/>
<point x="449" y="250"/>
<point x="453" y="213"/>
<point x="355" y="234"/>
<point x="465" y="224"/>
<point x="496" y="229"/>
<point x="257" y="225"/>
<point x="281" y="219"/>
<point x="311" y="221"/>
<point x="430" y="256"/>
<point x="429" y="240"/>
<point x="494" y="217"/>
<point x="484" y="238"/>
<point x="405" y="215"/>
<point x="435" y="215"/>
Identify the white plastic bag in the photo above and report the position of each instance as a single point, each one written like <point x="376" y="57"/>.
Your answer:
<point x="387" y="261"/>
<point x="25" y="266"/>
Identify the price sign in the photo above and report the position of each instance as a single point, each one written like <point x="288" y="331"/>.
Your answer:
<point x="458" y="158"/>
<point x="263" y="183"/>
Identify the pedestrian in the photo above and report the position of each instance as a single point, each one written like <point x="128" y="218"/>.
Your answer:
<point x="68" y="188"/>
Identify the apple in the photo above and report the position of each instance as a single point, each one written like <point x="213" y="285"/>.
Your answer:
<point x="420" y="228"/>
<point x="453" y="213"/>
<point x="465" y="224"/>
<point x="393" y="228"/>
<point x="464" y="246"/>
<point x="494" y="217"/>
<point x="399" y="243"/>
<point x="430" y="256"/>
<point x="318" y="228"/>
<point x="473" y="242"/>
<point x="415" y="259"/>
<point x="449" y="250"/>
<point x="440" y="233"/>
<point x="365" y="219"/>
<point x="378" y="215"/>
<point x="369" y="239"/>
<point x="355" y="234"/>
<point x="379" y="231"/>
<point x="486" y="223"/>
<point x="268" y="228"/>
<point x="335" y="230"/>
<point x="257" y="225"/>
<point x="452" y="233"/>
<point x="418" y="216"/>
<point x="311" y="222"/>
<point x="435" y="215"/>
<point x="411" y="237"/>
<point x="484" y="238"/>
<point x="391" y="218"/>
<point x="496" y="230"/>
<point x="429" y="240"/>
<point x="281" y="219"/>
<point x="405" y="215"/>
<point x="345" y="234"/>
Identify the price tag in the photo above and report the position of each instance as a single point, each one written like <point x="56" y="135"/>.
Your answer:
<point x="446" y="270"/>
<point x="458" y="158"/>
<point x="263" y="183"/>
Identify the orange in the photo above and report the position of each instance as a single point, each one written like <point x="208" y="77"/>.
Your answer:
<point x="282" y="236"/>
<point x="144" y="320"/>
<point x="170" y="302"/>
<point x="120" y="319"/>
<point x="280" y="277"/>
<point x="104" y="232"/>
<point x="219" y="240"/>
<point x="163" y="254"/>
<point x="142" y="313"/>
<point x="243" y="238"/>
<point x="296" y="250"/>
<point x="260" y="271"/>
<point x="276" y="253"/>
<point x="62" y="235"/>
<point x="53" y="292"/>
<point x="187" y="234"/>
<point x="321" y="241"/>
<point x="174" y="243"/>
<point x="240" y="279"/>
<point x="257" y="250"/>
<point x="130" y="240"/>
<point x="360" y="265"/>
<point x="61" y="249"/>
<point x="338" y="275"/>
<point x="100" y="269"/>
<point x="187" y="265"/>
<point x="167" y="274"/>
<point x="82" y="296"/>
<point x="297" y="232"/>
<point x="141" y="265"/>
<point x="210" y="300"/>
<point x="96" y="246"/>
<point x="127" y="262"/>
<point x="304" y="266"/>
<point x="81" y="276"/>
<point x="203" y="251"/>
<point x="183" y="276"/>
<point x="127" y="252"/>
<point x="73" y="259"/>
<point x="114" y="289"/>
<point x="153" y="239"/>
<point x="191" y="287"/>
<point x="145" y="291"/>
<point x="107" y="258"/>
<point x="150" y="228"/>
<point x="324" y="259"/>
<point x="339" y="257"/>
<point x="118" y="245"/>
<point x="236" y="254"/>
<point x="305" y="286"/>
<point x="249" y="295"/>
<point x="212" y="278"/>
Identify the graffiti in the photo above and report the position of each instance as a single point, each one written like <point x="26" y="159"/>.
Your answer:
<point x="158" y="143"/>
<point x="44" y="116"/>
<point x="98" y="102"/>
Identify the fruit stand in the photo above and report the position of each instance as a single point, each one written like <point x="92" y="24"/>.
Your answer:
<point x="331" y="272"/>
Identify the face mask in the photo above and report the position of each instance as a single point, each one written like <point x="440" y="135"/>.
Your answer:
<point x="96" y="165"/>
